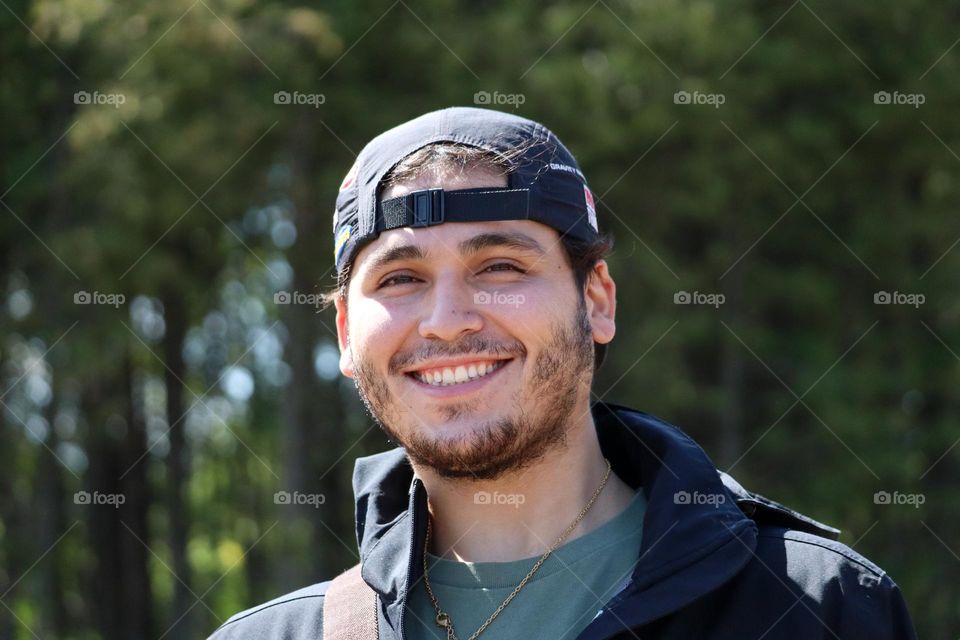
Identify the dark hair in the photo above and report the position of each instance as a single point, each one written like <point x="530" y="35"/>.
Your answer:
<point x="443" y="157"/>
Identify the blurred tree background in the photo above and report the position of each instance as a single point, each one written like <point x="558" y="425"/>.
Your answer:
<point x="169" y="168"/>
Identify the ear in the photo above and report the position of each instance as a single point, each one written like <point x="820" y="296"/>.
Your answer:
<point x="601" y="299"/>
<point x="343" y="338"/>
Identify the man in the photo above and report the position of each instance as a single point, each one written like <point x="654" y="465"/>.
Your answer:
<point x="473" y="306"/>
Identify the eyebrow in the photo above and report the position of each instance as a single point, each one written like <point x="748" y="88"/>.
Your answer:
<point x="467" y="248"/>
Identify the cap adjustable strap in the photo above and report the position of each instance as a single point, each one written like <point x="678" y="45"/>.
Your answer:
<point x="434" y="206"/>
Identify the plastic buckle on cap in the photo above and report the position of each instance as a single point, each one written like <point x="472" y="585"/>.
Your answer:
<point x="427" y="207"/>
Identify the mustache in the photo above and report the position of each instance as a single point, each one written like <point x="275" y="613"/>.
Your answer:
<point x="470" y="346"/>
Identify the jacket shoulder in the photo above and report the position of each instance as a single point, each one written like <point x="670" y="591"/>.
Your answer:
<point x="847" y="592"/>
<point x="800" y="585"/>
<point x="296" y="615"/>
<point x="824" y="556"/>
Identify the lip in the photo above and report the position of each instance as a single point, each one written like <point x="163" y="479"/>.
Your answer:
<point x="458" y="389"/>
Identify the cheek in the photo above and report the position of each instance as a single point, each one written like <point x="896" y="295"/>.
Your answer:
<point x="529" y="315"/>
<point x="377" y="330"/>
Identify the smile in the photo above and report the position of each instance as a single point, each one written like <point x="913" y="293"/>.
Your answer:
<point x="461" y="374"/>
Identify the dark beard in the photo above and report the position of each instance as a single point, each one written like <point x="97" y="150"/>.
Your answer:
<point x="508" y="444"/>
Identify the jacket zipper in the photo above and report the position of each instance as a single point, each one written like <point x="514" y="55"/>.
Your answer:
<point x="413" y="552"/>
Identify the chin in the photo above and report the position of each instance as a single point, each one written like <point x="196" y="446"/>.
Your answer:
<point x="458" y="434"/>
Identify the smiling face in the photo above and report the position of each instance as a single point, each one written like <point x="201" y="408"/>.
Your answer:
<point x="468" y="341"/>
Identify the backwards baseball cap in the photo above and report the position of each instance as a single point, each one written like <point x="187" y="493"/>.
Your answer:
<point x="545" y="183"/>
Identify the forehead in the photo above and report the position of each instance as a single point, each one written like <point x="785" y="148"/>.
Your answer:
<point x="458" y="238"/>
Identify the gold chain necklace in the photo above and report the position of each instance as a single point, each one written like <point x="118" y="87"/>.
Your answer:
<point x="443" y="618"/>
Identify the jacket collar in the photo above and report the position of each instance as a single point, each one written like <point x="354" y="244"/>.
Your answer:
<point x="695" y="536"/>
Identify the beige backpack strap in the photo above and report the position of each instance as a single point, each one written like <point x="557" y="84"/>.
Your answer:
<point x="350" y="608"/>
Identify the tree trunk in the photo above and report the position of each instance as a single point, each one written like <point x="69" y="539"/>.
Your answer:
<point x="11" y="553"/>
<point x="299" y="410"/>
<point x="313" y="436"/>
<point x="178" y="466"/>
<point x="105" y="532"/>
<point x="52" y="523"/>
<point x="138" y="618"/>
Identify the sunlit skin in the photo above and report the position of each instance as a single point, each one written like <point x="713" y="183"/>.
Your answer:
<point x="526" y="429"/>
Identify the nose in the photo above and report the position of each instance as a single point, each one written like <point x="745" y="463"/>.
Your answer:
<point x="450" y="310"/>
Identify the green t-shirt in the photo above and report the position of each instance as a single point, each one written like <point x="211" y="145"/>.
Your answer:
<point x="559" y="601"/>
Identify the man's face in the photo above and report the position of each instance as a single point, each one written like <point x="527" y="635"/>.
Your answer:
<point x="491" y="307"/>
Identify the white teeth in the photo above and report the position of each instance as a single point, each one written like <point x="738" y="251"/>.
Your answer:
<point x="456" y="375"/>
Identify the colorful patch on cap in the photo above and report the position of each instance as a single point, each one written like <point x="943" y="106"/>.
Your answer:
<point x="341" y="242"/>
<point x="351" y="176"/>
<point x="591" y="208"/>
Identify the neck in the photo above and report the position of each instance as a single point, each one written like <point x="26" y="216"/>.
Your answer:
<point x="528" y="509"/>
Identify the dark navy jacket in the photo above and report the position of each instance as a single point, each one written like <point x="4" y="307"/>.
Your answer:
<point x="739" y="567"/>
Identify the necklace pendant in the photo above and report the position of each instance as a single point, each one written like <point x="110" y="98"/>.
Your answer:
<point x="443" y="620"/>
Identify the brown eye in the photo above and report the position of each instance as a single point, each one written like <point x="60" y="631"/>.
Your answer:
<point x="395" y="280"/>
